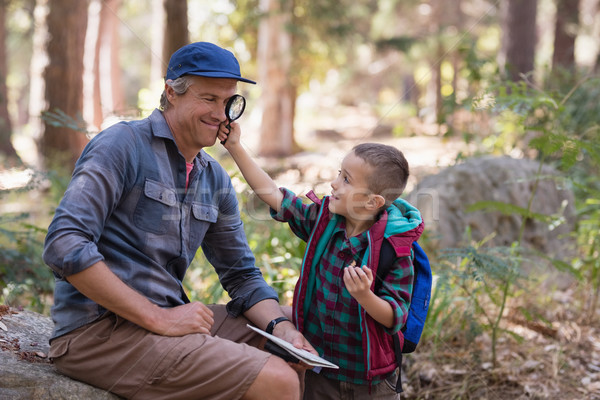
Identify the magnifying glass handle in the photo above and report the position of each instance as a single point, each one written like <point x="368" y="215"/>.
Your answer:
<point x="228" y="131"/>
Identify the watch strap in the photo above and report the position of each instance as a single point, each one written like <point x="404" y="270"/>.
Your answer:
<point x="274" y="322"/>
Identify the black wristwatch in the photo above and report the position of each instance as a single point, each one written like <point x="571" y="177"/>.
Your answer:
<point x="272" y="324"/>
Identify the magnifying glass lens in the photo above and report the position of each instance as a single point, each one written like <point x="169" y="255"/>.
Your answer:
<point x="235" y="107"/>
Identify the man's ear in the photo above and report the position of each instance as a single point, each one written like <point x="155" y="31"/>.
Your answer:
<point x="375" y="201"/>
<point x="170" y="93"/>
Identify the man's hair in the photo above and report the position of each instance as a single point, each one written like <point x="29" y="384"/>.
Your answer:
<point x="390" y="169"/>
<point x="179" y="85"/>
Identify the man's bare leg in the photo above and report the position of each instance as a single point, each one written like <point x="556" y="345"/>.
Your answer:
<point x="276" y="381"/>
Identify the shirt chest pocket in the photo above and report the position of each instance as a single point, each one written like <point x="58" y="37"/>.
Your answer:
<point x="157" y="210"/>
<point x="203" y="215"/>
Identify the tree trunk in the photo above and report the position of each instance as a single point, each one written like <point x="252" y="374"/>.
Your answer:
<point x="436" y="77"/>
<point x="158" y="65"/>
<point x="437" y="19"/>
<point x="108" y="90"/>
<point x="39" y="61"/>
<point x="8" y="155"/>
<point x="278" y="94"/>
<point x="566" y="26"/>
<point x="176" y="29"/>
<point x="63" y="76"/>
<point x="520" y="37"/>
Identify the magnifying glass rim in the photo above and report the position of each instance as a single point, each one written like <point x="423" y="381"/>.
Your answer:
<point x="230" y="104"/>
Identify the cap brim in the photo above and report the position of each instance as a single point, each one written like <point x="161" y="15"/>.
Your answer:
<point x="221" y="74"/>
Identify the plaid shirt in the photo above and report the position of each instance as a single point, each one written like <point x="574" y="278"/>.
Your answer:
<point x="332" y="325"/>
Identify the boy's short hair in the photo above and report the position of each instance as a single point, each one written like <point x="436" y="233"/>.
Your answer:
<point x="390" y="169"/>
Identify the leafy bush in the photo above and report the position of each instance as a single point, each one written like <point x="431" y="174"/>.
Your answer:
<point x="476" y="282"/>
<point x="25" y="281"/>
<point x="487" y="277"/>
<point x="564" y="129"/>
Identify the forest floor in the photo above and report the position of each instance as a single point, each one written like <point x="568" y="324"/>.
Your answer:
<point x="559" y="359"/>
<point x="555" y="357"/>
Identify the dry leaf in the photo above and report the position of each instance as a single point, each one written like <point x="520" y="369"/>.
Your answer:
<point x="2" y="326"/>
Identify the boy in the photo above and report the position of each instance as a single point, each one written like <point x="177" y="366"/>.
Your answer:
<point x="334" y="304"/>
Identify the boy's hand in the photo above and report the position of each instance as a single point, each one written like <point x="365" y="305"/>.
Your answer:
<point x="358" y="281"/>
<point x="230" y="136"/>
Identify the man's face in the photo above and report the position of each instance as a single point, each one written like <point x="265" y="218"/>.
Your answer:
<point x="195" y="116"/>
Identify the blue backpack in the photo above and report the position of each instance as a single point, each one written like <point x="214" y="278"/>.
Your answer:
<point x="419" y="305"/>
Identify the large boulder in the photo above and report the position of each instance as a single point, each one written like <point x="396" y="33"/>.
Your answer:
<point x="25" y="371"/>
<point x="443" y="199"/>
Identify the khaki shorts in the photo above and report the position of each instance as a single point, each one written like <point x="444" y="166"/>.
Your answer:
<point x="119" y="356"/>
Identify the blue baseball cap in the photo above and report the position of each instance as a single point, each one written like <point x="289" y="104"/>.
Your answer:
<point x="204" y="59"/>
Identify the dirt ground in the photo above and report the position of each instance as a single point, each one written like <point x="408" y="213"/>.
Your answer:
<point x="557" y="360"/>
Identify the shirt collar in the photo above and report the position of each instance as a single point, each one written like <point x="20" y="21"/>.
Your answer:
<point x="357" y="243"/>
<point x="160" y="128"/>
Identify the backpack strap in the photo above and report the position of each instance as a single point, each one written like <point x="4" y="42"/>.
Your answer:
<point x="313" y="197"/>
<point x="387" y="256"/>
<point x="398" y="352"/>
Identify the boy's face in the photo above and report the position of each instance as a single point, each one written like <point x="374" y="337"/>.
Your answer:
<point x="350" y="190"/>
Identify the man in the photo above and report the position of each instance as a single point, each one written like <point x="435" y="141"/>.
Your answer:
<point x="143" y="197"/>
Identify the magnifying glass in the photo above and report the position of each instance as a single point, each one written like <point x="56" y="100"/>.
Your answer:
<point x="234" y="109"/>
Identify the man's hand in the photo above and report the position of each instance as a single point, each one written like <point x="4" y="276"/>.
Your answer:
<point x="267" y="310"/>
<point x="288" y="332"/>
<point x="101" y="285"/>
<point x="189" y="318"/>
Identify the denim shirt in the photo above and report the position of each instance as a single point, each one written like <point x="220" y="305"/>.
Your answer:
<point x="127" y="205"/>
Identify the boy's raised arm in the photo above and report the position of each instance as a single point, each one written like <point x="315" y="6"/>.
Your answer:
<point x="257" y="178"/>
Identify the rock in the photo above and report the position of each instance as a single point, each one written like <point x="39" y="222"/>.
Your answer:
<point x="443" y="199"/>
<point x="328" y="134"/>
<point x="25" y="371"/>
<point x="382" y="131"/>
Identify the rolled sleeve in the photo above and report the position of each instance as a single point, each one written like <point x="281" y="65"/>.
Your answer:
<point x="254" y="292"/>
<point x="397" y="289"/>
<point x="299" y="216"/>
<point x="284" y="213"/>
<point x="83" y="256"/>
